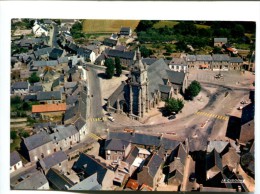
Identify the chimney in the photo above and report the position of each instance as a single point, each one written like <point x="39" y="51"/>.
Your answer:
<point x="201" y="186"/>
<point x="239" y="188"/>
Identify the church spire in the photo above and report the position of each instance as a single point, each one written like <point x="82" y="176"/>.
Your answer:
<point x="138" y="54"/>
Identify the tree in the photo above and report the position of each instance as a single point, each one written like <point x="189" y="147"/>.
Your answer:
<point x="173" y="105"/>
<point x="193" y="90"/>
<point x="145" y="52"/>
<point x="13" y="134"/>
<point x="16" y="100"/>
<point x="34" y="78"/>
<point x="110" y="70"/>
<point x="24" y="134"/>
<point x="145" y="25"/>
<point x="26" y="106"/>
<point x="118" y="66"/>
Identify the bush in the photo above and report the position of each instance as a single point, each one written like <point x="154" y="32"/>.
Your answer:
<point x="174" y="105"/>
<point x="34" y="78"/>
<point x="13" y="135"/>
<point x="16" y="100"/>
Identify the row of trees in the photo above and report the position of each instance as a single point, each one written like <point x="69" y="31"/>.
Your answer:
<point x="176" y="105"/>
<point x="76" y="30"/>
<point x="112" y="66"/>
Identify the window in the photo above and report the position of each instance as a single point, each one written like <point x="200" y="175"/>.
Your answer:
<point x="59" y="164"/>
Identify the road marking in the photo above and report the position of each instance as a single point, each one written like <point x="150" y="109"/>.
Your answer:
<point x="211" y="115"/>
<point x="94" y="136"/>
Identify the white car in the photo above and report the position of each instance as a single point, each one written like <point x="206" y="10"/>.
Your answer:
<point x="111" y="119"/>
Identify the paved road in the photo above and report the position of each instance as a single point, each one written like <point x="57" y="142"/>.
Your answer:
<point x="96" y="110"/>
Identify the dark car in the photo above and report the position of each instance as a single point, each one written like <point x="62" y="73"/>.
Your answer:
<point x="171" y="117"/>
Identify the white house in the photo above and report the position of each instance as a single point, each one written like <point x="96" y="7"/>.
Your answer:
<point x="21" y="88"/>
<point x="15" y="162"/>
<point x="39" y="30"/>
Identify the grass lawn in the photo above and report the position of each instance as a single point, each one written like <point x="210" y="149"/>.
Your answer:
<point x="15" y="144"/>
<point x="199" y="26"/>
<point x="242" y="46"/>
<point x="163" y="23"/>
<point x="108" y="26"/>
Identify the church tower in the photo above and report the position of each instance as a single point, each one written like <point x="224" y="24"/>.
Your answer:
<point x="138" y="85"/>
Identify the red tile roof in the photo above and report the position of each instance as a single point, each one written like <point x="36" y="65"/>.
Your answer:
<point x="48" y="108"/>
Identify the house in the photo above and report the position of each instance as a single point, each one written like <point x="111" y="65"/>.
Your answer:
<point x="213" y="164"/>
<point x="89" y="183"/>
<point x="132" y="184"/>
<point x="55" y="54"/>
<point x="178" y="64"/>
<point x="49" y="97"/>
<point x="34" y="181"/>
<point x="114" y="36"/>
<point x="39" y="30"/>
<point x="20" y="88"/>
<point x="37" y="146"/>
<point x="57" y="160"/>
<point x="87" y="165"/>
<point x="47" y="111"/>
<point x="125" y="31"/>
<point x="87" y="54"/>
<point x="247" y="124"/>
<point x="43" y="53"/>
<point x="15" y="162"/>
<point x="236" y="63"/>
<point x="110" y="42"/>
<point x="220" y="62"/>
<point x="219" y="42"/>
<point x="221" y="147"/>
<point x="178" y="81"/>
<point x="116" y="149"/>
<point x="191" y="59"/>
<point x="176" y="164"/>
<point x="150" y="171"/>
<point x="64" y="137"/>
<point x="203" y="61"/>
<point x="37" y="65"/>
<point x="72" y="48"/>
<point x="81" y="126"/>
<point x="35" y="88"/>
<point x="58" y="181"/>
<point x="126" y="57"/>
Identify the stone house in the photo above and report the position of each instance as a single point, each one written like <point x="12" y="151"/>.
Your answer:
<point x="125" y="31"/>
<point x="219" y="42"/>
<point x="15" y="162"/>
<point x="34" y="181"/>
<point x="51" y="97"/>
<point x="126" y="57"/>
<point x="191" y="60"/>
<point x="37" y="146"/>
<point x="203" y="61"/>
<point x="213" y="164"/>
<point x="57" y="160"/>
<point x="150" y="171"/>
<point x="87" y="165"/>
<point x="39" y="30"/>
<point x="87" y="54"/>
<point x="20" y="88"/>
<point x="236" y="63"/>
<point x="64" y="137"/>
<point x="220" y="62"/>
<point x="48" y="111"/>
<point x="178" y="64"/>
<point x="116" y="149"/>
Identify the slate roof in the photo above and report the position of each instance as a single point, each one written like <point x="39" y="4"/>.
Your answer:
<point x="44" y="63"/>
<point x="213" y="159"/>
<point x="220" y="57"/>
<point x="191" y="58"/>
<point x="52" y="160"/>
<point x="217" y="181"/>
<point x="63" y="60"/>
<point x="89" y="183"/>
<point x="52" y="95"/>
<point x="164" y="88"/>
<point x="116" y="144"/>
<point x="70" y="84"/>
<point x="37" y="140"/>
<point x="90" y="166"/>
<point x="154" y="164"/>
<point x="231" y="158"/>
<point x="144" y="139"/>
<point x="20" y="85"/>
<point x="179" y="152"/>
<point x="47" y="21"/>
<point x="84" y="52"/>
<point x="79" y="123"/>
<point x="149" y="61"/>
<point x="71" y="99"/>
<point x="58" y="180"/>
<point x="204" y="57"/>
<point x="42" y="51"/>
<point x="132" y="155"/>
<point x="34" y="89"/>
<point x="30" y="98"/>
<point x="178" y="61"/>
<point x="73" y="47"/>
<point x="42" y="108"/>
<point x="121" y="54"/>
<point x="248" y="113"/>
<point x="223" y="40"/>
<point x="33" y="182"/>
<point x="110" y="42"/>
<point x="62" y="132"/>
<point x="55" y="54"/>
<point x="71" y="112"/>
<point x="236" y="60"/>
<point x="156" y="72"/>
<point x="125" y="30"/>
<point x="176" y="77"/>
<point x="219" y="146"/>
<point x="15" y="158"/>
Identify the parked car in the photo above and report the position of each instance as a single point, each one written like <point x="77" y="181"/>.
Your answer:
<point x="111" y="119"/>
<point x="171" y="117"/>
<point x="240" y="108"/>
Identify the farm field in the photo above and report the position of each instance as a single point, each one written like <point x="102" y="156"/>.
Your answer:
<point x="107" y="26"/>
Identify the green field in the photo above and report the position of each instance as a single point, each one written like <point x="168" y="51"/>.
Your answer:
<point x="163" y="23"/>
<point x="199" y="26"/>
<point x="107" y="26"/>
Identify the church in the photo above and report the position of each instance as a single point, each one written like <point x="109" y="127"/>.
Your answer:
<point x="145" y="87"/>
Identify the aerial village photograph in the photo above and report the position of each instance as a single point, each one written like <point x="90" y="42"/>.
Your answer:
<point x="132" y="105"/>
